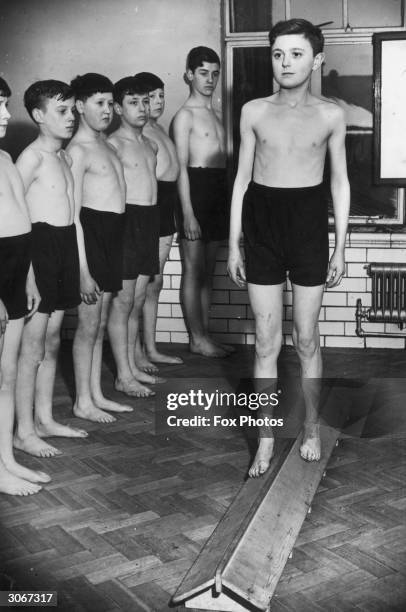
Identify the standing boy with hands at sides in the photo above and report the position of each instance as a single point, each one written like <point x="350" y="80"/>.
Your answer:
<point x="99" y="191"/>
<point x="141" y="234"/>
<point x="167" y="172"/>
<point x="282" y="213"/>
<point x="18" y="296"/>
<point x="202" y="184"/>
<point x="45" y="171"/>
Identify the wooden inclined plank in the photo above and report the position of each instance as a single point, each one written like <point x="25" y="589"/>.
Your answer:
<point x="230" y="529"/>
<point x="256" y="565"/>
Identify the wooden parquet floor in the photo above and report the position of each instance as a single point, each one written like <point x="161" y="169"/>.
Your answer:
<point x="129" y="509"/>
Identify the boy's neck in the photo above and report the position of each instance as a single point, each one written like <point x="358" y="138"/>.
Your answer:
<point x="297" y="96"/>
<point x="49" y="143"/>
<point x="199" y="100"/>
<point x="87" y="131"/>
<point x="131" y="131"/>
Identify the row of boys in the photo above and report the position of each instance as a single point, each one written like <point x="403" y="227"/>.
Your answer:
<point x="81" y="227"/>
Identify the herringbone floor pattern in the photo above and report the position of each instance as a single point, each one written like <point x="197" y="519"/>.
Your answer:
<point x="128" y="510"/>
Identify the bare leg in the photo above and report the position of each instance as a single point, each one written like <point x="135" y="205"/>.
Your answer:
<point x="139" y="364"/>
<point x="306" y="310"/>
<point x="95" y="377"/>
<point x="121" y="307"/>
<point x="89" y="316"/>
<point x="13" y="475"/>
<point x="266" y="303"/>
<point x="193" y="282"/>
<point x="31" y="355"/>
<point x="150" y="310"/>
<point x="45" y="424"/>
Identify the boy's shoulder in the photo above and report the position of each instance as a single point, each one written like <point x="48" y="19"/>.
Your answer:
<point x="4" y="156"/>
<point x="331" y="110"/>
<point x="31" y="155"/>
<point x="184" y="114"/>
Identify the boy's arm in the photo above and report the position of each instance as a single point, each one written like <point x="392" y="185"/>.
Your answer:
<point x="27" y="165"/>
<point x="182" y="127"/>
<point x="235" y="264"/>
<point x="32" y="293"/>
<point x="340" y="191"/>
<point x="88" y="286"/>
<point x="3" y="318"/>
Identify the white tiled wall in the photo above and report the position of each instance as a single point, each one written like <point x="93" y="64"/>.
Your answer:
<point x="231" y="317"/>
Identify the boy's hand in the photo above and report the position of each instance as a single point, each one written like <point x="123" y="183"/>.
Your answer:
<point x="236" y="268"/>
<point x="191" y="228"/>
<point x="33" y="296"/>
<point x="336" y="269"/>
<point x="3" y="318"/>
<point x="89" y="289"/>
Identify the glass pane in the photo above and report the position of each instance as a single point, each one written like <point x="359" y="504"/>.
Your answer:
<point x="319" y="12"/>
<point x="252" y="78"/>
<point x="347" y="79"/>
<point x="255" y="15"/>
<point x="374" y="13"/>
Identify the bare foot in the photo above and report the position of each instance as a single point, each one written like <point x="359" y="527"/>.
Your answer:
<point x="33" y="445"/>
<point x="158" y="357"/>
<point x="52" y="428"/>
<point x="90" y="412"/>
<point x="105" y="404"/>
<point x="226" y="347"/>
<point x="311" y="447"/>
<point x="12" y="485"/>
<point x="143" y="377"/>
<point x="143" y="364"/>
<point x="20" y="471"/>
<point x="262" y="458"/>
<point x="207" y="348"/>
<point x="133" y="388"/>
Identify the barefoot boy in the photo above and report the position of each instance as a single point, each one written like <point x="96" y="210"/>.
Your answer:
<point x="203" y="223"/>
<point x="141" y="234"/>
<point x="283" y="216"/>
<point x="167" y="172"/>
<point x="45" y="170"/>
<point x="18" y="295"/>
<point x="99" y="191"/>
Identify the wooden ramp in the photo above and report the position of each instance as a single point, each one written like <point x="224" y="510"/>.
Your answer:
<point x="241" y="563"/>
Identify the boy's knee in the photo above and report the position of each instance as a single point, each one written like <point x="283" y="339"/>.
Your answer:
<point x="32" y="353"/>
<point x="269" y="345"/>
<point x="306" y="344"/>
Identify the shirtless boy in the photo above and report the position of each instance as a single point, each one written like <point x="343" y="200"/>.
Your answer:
<point x="18" y="296"/>
<point x="283" y="216"/>
<point x="203" y="222"/>
<point x="47" y="178"/>
<point x="167" y="172"/>
<point x="141" y="234"/>
<point x="99" y="191"/>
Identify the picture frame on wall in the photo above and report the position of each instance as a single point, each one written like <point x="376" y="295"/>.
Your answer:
<point x="389" y="108"/>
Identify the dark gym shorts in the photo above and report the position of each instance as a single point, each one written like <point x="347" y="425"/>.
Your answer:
<point x="103" y="233"/>
<point x="55" y="261"/>
<point x="285" y="229"/>
<point x="167" y="202"/>
<point x="141" y="241"/>
<point x="209" y="197"/>
<point x="15" y="259"/>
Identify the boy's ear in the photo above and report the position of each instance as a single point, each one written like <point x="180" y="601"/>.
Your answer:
<point x="189" y="74"/>
<point x="117" y="108"/>
<point x="79" y="106"/>
<point x="318" y="60"/>
<point x="38" y="115"/>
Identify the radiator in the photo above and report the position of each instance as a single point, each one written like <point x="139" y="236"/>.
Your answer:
<point x="388" y="298"/>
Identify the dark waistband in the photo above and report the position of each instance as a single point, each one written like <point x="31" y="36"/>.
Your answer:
<point x="207" y="171"/>
<point x="100" y="213"/>
<point x="6" y="240"/>
<point x="54" y="228"/>
<point x="294" y="191"/>
<point x="167" y="186"/>
<point x="139" y="208"/>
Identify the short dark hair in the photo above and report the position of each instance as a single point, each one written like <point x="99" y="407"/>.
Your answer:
<point x="299" y="26"/>
<point x="129" y="86"/>
<point x="88" y="84"/>
<point x="198" y="55"/>
<point x="40" y="91"/>
<point x="5" y="90"/>
<point x="152" y="81"/>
